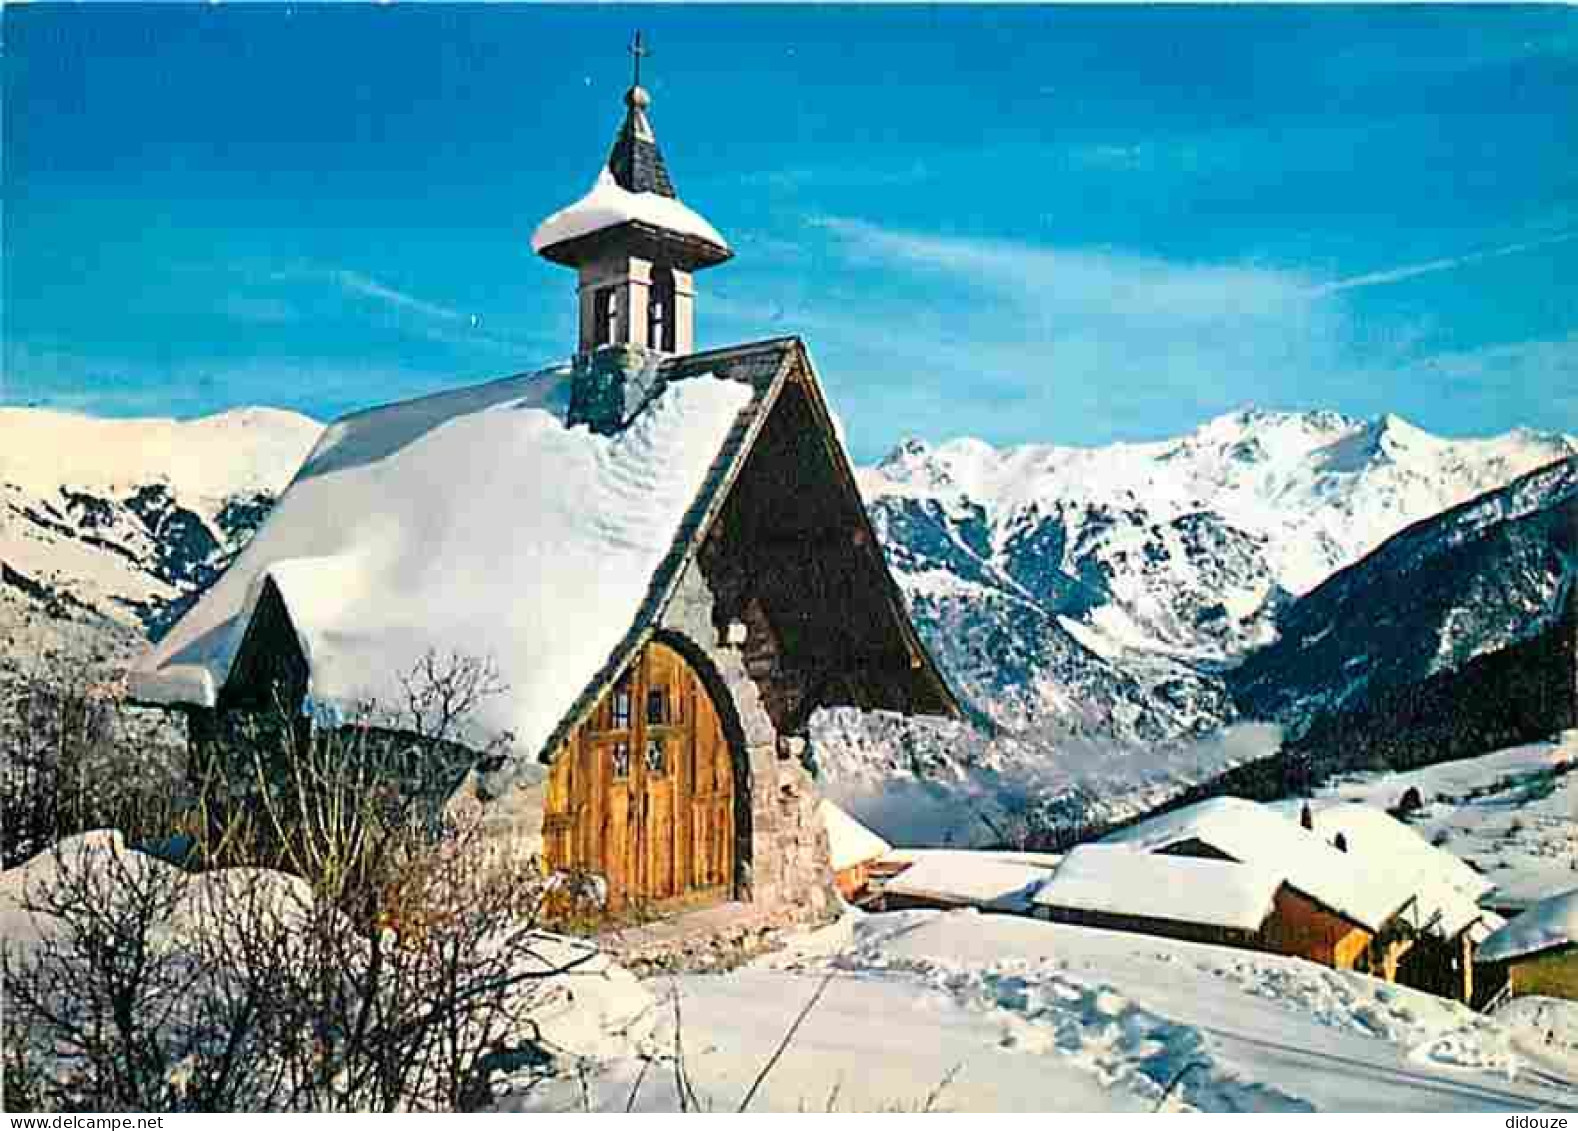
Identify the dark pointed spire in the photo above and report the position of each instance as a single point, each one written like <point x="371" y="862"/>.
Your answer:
<point x="635" y="161"/>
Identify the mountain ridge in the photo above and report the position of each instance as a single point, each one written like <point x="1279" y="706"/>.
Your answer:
<point x="1094" y="591"/>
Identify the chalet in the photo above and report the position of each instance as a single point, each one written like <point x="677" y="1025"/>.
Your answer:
<point x="1537" y="951"/>
<point x="1201" y="899"/>
<point x="854" y="851"/>
<point x="1385" y="903"/>
<point x="1449" y="915"/>
<point x="661" y="551"/>
<point x="1346" y="907"/>
<point x="947" y="878"/>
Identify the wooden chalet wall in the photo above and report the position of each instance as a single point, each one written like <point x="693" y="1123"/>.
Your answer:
<point x="1299" y="925"/>
<point x="1553" y="973"/>
<point x="1303" y="928"/>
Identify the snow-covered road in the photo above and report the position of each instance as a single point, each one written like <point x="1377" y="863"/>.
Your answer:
<point x="975" y="1012"/>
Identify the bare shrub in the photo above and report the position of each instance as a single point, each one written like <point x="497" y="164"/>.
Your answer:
<point x="354" y="948"/>
<point x="75" y="756"/>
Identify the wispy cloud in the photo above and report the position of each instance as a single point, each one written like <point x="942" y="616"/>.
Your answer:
<point x="434" y="321"/>
<point x="1079" y="279"/>
<point x="1022" y="341"/>
<point x="1435" y="266"/>
<point x="366" y="286"/>
<point x="1507" y="382"/>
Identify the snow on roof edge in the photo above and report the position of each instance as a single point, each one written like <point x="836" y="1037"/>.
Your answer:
<point x="969" y="878"/>
<point x="849" y="842"/>
<point x="1550" y="924"/>
<point x="608" y="205"/>
<point x="1116" y="879"/>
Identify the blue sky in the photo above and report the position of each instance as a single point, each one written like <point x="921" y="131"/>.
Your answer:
<point x="1062" y="224"/>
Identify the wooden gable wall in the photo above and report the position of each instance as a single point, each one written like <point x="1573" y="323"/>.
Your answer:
<point x="793" y="558"/>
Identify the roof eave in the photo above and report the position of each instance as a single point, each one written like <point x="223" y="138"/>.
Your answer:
<point x="650" y="241"/>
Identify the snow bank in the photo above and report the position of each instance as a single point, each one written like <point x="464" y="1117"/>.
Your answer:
<point x="594" y="1011"/>
<point x="976" y="879"/>
<point x="474" y="523"/>
<point x="1545" y="1027"/>
<point x="583" y="1007"/>
<point x="1364" y="888"/>
<point x="1119" y="880"/>
<point x="608" y="205"/>
<point x="849" y="842"/>
<point x="1549" y="923"/>
<point x="101" y="864"/>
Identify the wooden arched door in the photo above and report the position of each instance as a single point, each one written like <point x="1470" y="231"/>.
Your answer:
<point x="642" y="793"/>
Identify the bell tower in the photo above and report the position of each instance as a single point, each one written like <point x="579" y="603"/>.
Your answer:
<point x="635" y="247"/>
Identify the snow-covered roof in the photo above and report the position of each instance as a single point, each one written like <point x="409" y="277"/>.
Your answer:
<point x="849" y="842"/>
<point x="1119" y="879"/>
<point x="608" y="205"/>
<point x="1354" y="885"/>
<point x="968" y="878"/>
<point x="1447" y="888"/>
<point x="1550" y="923"/>
<point x="473" y="522"/>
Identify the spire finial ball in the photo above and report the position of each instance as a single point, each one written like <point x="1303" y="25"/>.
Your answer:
<point x="637" y="98"/>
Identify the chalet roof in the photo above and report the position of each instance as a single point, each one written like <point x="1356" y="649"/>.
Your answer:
<point x="475" y="522"/>
<point x="849" y="843"/>
<point x="1365" y="889"/>
<point x="1119" y="879"/>
<point x="1550" y="924"/>
<point x="989" y="881"/>
<point x="1448" y="890"/>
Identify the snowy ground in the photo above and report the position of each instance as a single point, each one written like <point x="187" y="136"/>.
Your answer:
<point x="1513" y="815"/>
<point x="964" y="1011"/>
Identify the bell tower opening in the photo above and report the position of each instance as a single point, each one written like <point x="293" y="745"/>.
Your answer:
<point x="660" y="311"/>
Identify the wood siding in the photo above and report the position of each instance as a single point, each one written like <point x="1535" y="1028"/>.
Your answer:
<point x="642" y="793"/>
<point x="1296" y="926"/>
<point x="1301" y="927"/>
<point x="1552" y="974"/>
<point x="1166" y="928"/>
<point x="853" y="881"/>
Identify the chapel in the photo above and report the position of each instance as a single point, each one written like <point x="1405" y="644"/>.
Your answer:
<point x="661" y="549"/>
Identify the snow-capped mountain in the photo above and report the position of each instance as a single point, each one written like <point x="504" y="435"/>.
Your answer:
<point x="122" y="521"/>
<point x="1089" y="591"/>
<point x="1095" y="604"/>
<point x="1105" y="590"/>
<point x="1446" y="596"/>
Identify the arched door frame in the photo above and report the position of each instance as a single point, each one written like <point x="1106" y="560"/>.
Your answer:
<point x="734" y="737"/>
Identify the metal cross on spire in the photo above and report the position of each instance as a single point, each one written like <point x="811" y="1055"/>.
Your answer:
<point x="639" y="50"/>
